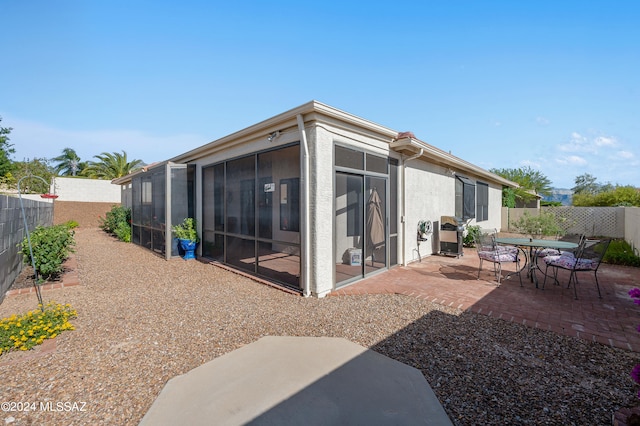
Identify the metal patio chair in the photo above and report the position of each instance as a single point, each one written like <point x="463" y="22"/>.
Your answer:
<point x="574" y="238"/>
<point x="587" y="257"/>
<point x="490" y="251"/>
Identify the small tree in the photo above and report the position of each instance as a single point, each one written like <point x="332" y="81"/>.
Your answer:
<point x="528" y="179"/>
<point x="6" y="149"/>
<point x="35" y="167"/>
<point x="586" y="184"/>
<point x="536" y="226"/>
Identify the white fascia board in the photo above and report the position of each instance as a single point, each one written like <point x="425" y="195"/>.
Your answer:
<point x="438" y="156"/>
<point x="354" y="121"/>
<point x="312" y="110"/>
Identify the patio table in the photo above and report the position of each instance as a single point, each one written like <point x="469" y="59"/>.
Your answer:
<point x="531" y="258"/>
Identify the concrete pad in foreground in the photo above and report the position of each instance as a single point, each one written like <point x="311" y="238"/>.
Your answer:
<point x="295" y="381"/>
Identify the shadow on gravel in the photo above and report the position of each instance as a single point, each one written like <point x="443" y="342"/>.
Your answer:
<point x="489" y="371"/>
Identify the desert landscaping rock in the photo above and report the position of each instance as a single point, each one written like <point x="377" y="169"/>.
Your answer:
<point x="143" y="320"/>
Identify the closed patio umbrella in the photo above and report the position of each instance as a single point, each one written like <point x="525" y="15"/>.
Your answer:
<point x="375" y="223"/>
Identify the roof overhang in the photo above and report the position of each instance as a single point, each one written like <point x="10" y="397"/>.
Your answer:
<point x="311" y="111"/>
<point x="410" y="146"/>
<point x="315" y="111"/>
<point x="127" y="178"/>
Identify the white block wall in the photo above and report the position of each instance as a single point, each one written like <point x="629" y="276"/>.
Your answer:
<point x="87" y="190"/>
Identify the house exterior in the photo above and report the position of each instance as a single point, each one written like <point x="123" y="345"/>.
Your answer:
<point x="314" y="198"/>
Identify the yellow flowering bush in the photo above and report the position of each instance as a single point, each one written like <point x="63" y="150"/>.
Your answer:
<point x="26" y="331"/>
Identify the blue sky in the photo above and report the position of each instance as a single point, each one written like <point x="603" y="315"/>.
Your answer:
<point x="554" y="85"/>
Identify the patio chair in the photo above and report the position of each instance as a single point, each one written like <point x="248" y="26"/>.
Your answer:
<point x="574" y="238"/>
<point x="490" y="251"/>
<point x="587" y="257"/>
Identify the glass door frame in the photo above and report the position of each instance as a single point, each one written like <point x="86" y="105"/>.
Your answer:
<point x="363" y="175"/>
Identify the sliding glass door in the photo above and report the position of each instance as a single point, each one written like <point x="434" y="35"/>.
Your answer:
<point x="360" y="226"/>
<point x="375" y="254"/>
<point x="349" y="224"/>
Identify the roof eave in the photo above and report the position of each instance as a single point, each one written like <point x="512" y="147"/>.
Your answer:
<point x="127" y="178"/>
<point x="313" y="110"/>
<point x="412" y="146"/>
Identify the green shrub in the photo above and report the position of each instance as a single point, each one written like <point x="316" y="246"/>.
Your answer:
<point x="538" y="225"/>
<point x="72" y="224"/>
<point x="123" y="232"/>
<point x="51" y="245"/>
<point x="187" y="230"/>
<point x="117" y="222"/>
<point x="621" y="253"/>
<point x="472" y="232"/>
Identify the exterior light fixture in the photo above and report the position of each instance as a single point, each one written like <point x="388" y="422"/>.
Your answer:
<point x="273" y="135"/>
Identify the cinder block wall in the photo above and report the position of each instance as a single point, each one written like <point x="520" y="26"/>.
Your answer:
<point x="86" y="190"/>
<point x="12" y="233"/>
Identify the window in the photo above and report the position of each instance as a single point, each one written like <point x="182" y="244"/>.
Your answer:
<point x="482" y="202"/>
<point x="351" y="158"/>
<point x="376" y="164"/>
<point x="146" y="192"/>
<point x="465" y="198"/>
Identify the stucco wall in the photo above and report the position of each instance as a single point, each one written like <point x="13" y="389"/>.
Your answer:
<point x="495" y="208"/>
<point x="430" y="192"/>
<point x="429" y="195"/>
<point x="321" y="211"/>
<point x="632" y="226"/>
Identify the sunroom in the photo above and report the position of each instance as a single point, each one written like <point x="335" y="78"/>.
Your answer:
<point x="313" y="199"/>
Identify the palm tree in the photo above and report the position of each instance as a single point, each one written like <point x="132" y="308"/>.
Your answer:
<point x="111" y="166"/>
<point x="68" y="163"/>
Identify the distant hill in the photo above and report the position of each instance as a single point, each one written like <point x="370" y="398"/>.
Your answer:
<point x="559" y="194"/>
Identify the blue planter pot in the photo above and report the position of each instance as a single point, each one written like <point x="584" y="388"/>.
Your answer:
<point x="189" y="248"/>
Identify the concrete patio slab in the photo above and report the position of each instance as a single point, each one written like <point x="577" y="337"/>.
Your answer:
<point x="295" y="381"/>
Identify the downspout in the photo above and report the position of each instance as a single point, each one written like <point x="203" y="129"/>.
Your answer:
<point x="306" y="228"/>
<point x="404" y="203"/>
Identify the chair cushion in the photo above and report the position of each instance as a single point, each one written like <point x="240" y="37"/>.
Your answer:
<point x="547" y="252"/>
<point x="570" y="262"/>
<point x="508" y="249"/>
<point x="498" y="256"/>
<point x="553" y="252"/>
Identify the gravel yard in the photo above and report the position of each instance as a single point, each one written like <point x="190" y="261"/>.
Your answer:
<point x="143" y="320"/>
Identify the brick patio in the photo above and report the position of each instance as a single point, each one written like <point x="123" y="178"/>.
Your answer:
<point x="450" y="281"/>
